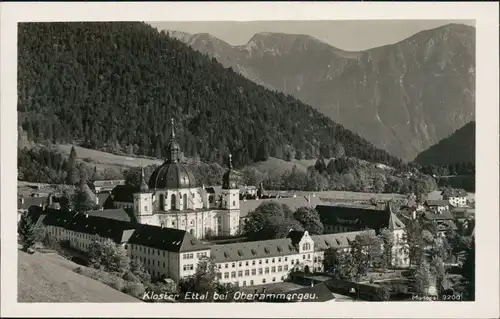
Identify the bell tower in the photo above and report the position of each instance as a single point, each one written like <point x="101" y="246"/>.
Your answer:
<point x="143" y="203"/>
<point x="230" y="206"/>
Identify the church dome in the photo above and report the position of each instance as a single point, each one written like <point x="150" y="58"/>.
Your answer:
<point x="230" y="179"/>
<point x="172" y="174"/>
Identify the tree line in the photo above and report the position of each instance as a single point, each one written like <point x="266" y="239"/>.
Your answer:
<point x="116" y="85"/>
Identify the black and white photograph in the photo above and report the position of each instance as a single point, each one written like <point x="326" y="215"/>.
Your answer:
<point x="248" y="163"/>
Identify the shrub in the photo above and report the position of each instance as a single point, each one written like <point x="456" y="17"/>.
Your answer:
<point x="131" y="277"/>
<point x="134" y="289"/>
<point x="383" y="293"/>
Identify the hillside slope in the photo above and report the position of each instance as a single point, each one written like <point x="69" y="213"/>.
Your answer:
<point x="459" y="147"/>
<point x="402" y="97"/>
<point x="42" y="278"/>
<point x="120" y="83"/>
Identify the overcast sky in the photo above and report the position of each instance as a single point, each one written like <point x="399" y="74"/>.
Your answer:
<point x="347" y="35"/>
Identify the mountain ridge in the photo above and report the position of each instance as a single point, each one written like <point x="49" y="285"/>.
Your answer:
<point x="402" y="97"/>
<point x="459" y="147"/>
<point x="117" y="85"/>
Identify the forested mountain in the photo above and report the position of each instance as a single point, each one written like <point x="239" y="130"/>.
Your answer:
<point x="459" y="147"/>
<point x="402" y="97"/>
<point x="119" y="83"/>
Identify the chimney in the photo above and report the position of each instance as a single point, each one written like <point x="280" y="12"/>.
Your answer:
<point x="22" y="200"/>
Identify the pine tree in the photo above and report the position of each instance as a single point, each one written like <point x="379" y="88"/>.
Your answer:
<point x="26" y="231"/>
<point x="73" y="175"/>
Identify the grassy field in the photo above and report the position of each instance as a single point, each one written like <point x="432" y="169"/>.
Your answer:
<point x="49" y="278"/>
<point x="105" y="160"/>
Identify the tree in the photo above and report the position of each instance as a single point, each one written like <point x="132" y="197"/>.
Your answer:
<point x="108" y="256"/>
<point x="138" y="271"/>
<point x="387" y="239"/>
<point x="360" y="257"/>
<point x="132" y="177"/>
<point x="262" y="152"/>
<point x="413" y="237"/>
<point x="339" y="264"/>
<point x="83" y="199"/>
<point x="270" y="220"/>
<point x="383" y="293"/>
<point x="320" y="165"/>
<point x="205" y="280"/>
<point x="309" y="219"/>
<point x="339" y="151"/>
<point x="26" y="231"/>
<point x="438" y="271"/>
<point x="422" y="278"/>
<point x="469" y="271"/>
<point x="73" y="174"/>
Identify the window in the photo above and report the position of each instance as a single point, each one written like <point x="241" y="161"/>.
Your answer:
<point x="260" y="271"/>
<point x="240" y="273"/>
<point x="292" y="261"/>
<point x="226" y="275"/>
<point x="219" y="266"/>
<point x="145" y="208"/>
<point x="308" y="256"/>
<point x="274" y="279"/>
<point x="254" y="271"/>
<point x="279" y="259"/>
<point x="304" y="257"/>
<point x="260" y="262"/>
<point x="286" y="258"/>
<point x="247" y="272"/>
<point x="239" y="264"/>
<point x="227" y="265"/>
<point x="286" y="267"/>
<point x="158" y="252"/>
<point x="253" y="262"/>
<point x="163" y="264"/>
<point x="244" y="283"/>
<point x="280" y="268"/>
<point x="272" y="260"/>
<point x="246" y="263"/>
<point x="233" y="274"/>
<point x="273" y="269"/>
<point x="234" y="265"/>
<point x="266" y="270"/>
<point x="251" y="282"/>
<point x="126" y="246"/>
<point x="163" y="254"/>
<point x="263" y="280"/>
<point x="267" y="261"/>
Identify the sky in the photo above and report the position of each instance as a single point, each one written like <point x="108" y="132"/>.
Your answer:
<point x="350" y="35"/>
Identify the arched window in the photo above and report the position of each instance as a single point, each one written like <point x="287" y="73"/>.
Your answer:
<point x="185" y="201"/>
<point x="162" y="202"/>
<point x="145" y="208"/>
<point x="172" y="202"/>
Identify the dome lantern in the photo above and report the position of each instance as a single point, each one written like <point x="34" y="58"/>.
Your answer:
<point x="230" y="178"/>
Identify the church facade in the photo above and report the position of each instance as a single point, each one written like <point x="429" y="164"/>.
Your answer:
<point x="171" y="199"/>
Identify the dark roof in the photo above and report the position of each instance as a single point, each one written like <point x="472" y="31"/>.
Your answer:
<point x="435" y="202"/>
<point x="109" y="182"/>
<point x="454" y="192"/>
<point x="117" y="214"/>
<point x="172" y="176"/>
<point x="93" y="225"/>
<point x="253" y="250"/>
<point x="210" y="190"/>
<point x="169" y="239"/>
<point x="123" y="193"/>
<point x="339" y="240"/>
<point x="362" y="218"/>
<point x="31" y="201"/>
<point x="445" y="214"/>
<point x="119" y="231"/>
<point x="321" y="291"/>
<point x="280" y="247"/>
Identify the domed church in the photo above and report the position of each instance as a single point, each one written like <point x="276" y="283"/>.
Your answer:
<point x="172" y="199"/>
